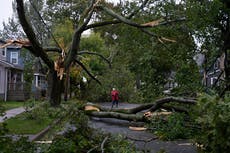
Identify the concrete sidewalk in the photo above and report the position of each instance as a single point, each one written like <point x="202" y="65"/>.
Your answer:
<point x="11" y="113"/>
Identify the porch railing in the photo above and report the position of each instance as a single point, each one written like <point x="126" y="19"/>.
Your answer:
<point x="19" y="86"/>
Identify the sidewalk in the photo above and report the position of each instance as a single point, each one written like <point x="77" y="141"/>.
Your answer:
<point x="11" y="113"/>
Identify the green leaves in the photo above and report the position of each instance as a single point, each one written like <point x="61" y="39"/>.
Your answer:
<point x="212" y="113"/>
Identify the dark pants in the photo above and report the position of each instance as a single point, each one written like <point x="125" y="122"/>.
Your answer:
<point x="114" y="102"/>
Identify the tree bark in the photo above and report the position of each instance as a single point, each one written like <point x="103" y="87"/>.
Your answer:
<point x="137" y="114"/>
<point x="128" y="117"/>
<point x="54" y="89"/>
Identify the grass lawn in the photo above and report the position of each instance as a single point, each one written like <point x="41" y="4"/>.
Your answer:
<point x="12" y="104"/>
<point x="21" y="125"/>
<point x="35" y="120"/>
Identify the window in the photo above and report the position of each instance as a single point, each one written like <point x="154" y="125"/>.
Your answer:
<point x="213" y="80"/>
<point x="14" y="57"/>
<point x="4" y="52"/>
<point x="216" y="65"/>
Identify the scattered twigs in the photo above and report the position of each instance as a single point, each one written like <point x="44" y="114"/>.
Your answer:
<point x="92" y="149"/>
<point x="103" y="143"/>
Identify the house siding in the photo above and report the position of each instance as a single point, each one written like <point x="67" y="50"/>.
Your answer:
<point x="2" y="82"/>
<point x="20" y="59"/>
<point x="215" y="72"/>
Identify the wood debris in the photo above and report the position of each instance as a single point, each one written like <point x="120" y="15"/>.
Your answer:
<point x="151" y="114"/>
<point x="92" y="108"/>
<point x="59" y="65"/>
<point x="137" y="128"/>
<point x="20" y="43"/>
<point x="153" y="23"/>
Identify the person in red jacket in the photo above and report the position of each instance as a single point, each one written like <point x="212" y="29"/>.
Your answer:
<point x="114" y="96"/>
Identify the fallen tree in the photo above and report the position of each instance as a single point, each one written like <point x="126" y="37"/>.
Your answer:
<point x="143" y="112"/>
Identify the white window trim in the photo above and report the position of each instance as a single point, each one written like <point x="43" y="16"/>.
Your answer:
<point x="11" y="58"/>
<point x="213" y="80"/>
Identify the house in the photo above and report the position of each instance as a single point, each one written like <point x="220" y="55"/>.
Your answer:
<point x="215" y="75"/>
<point x="11" y="73"/>
<point x="39" y="84"/>
<point x="171" y="83"/>
<point x="12" y="84"/>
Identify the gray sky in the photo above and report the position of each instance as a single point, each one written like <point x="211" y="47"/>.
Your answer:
<point x="5" y="11"/>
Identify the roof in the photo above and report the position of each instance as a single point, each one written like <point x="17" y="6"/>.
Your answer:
<point x="15" y="43"/>
<point x="9" y="65"/>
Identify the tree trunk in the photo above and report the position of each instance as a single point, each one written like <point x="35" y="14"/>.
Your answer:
<point x="54" y="89"/>
<point x="128" y="117"/>
<point x="66" y="86"/>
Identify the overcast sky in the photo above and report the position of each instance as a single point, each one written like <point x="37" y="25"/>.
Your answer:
<point x="5" y="11"/>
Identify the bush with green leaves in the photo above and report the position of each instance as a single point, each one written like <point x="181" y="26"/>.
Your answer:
<point x="171" y="127"/>
<point x="22" y="145"/>
<point x="62" y="145"/>
<point x="212" y="113"/>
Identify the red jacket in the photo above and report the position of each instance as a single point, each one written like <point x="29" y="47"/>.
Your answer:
<point x="114" y="95"/>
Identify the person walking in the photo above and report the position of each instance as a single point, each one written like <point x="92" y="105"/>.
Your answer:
<point x="114" y="96"/>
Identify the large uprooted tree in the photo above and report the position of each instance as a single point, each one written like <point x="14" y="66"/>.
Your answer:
<point x="85" y="21"/>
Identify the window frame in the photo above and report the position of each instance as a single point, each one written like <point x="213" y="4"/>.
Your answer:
<point x="11" y="57"/>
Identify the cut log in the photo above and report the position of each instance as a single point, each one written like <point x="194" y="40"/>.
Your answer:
<point x="137" y="128"/>
<point x="122" y="116"/>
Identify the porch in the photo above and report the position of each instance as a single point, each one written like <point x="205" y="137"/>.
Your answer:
<point x="17" y="92"/>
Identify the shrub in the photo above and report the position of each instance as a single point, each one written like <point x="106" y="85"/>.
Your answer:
<point x="172" y="127"/>
<point x="62" y="145"/>
<point x="213" y="114"/>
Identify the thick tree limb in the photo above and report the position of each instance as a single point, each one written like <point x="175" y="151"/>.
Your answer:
<point x="100" y="24"/>
<point x="173" y="108"/>
<point x="52" y="49"/>
<point x="85" y="18"/>
<point x="36" y="49"/>
<point x="94" y="53"/>
<point x="121" y="18"/>
<point x="162" y="101"/>
<point x="103" y="144"/>
<point x="86" y="70"/>
<point x="128" y="117"/>
<point x="137" y="114"/>
<point x="151" y="106"/>
<point x="115" y="21"/>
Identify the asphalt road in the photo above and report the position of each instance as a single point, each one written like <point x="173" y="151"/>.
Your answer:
<point x="143" y="140"/>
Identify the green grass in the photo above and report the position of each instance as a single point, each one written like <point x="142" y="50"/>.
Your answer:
<point x="22" y="125"/>
<point x="11" y="104"/>
<point x="34" y="121"/>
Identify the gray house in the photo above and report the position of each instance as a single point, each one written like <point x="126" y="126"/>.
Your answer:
<point x="215" y="75"/>
<point x="11" y="72"/>
<point x="12" y="84"/>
